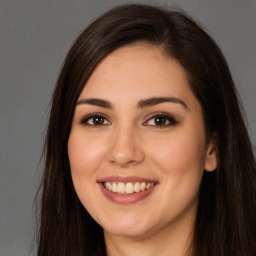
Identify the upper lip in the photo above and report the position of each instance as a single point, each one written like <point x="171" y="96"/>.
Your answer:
<point x="125" y="179"/>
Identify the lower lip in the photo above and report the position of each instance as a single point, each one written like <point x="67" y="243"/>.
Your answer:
<point x="126" y="198"/>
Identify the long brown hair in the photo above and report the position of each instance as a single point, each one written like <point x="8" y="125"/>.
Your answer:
<point x="226" y="219"/>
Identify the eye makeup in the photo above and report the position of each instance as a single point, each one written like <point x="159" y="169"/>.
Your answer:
<point x="95" y="119"/>
<point x="160" y="120"/>
<point x="154" y="120"/>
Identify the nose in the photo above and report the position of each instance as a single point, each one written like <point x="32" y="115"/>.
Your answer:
<point x="126" y="148"/>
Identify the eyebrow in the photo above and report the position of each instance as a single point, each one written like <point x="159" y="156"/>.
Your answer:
<point x="96" y="102"/>
<point x="158" y="100"/>
<point x="141" y="104"/>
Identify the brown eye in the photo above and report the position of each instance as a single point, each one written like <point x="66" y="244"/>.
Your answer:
<point x="95" y="120"/>
<point x="161" y="120"/>
<point x="98" y="120"/>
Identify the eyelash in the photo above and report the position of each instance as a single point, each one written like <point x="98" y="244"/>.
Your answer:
<point x="164" y="116"/>
<point x="85" y="120"/>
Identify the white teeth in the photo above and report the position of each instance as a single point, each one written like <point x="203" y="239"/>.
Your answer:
<point x="137" y="187"/>
<point x="127" y="188"/>
<point x="120" y="188"/>
<point x="142" y="186"/>
<point x="108" y="185"/>
<point x="113" y="188"/>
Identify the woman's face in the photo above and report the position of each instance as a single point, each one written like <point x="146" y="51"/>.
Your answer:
<point x="137" y="146"/>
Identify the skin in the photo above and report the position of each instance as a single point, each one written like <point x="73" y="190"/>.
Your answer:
<point x="130" y="142"/>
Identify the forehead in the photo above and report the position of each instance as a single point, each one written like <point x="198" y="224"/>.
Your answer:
<point x="137" y="71"/>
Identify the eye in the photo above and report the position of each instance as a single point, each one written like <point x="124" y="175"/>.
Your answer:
<point x="95" y="120"/>
<point x="161" y="120"/>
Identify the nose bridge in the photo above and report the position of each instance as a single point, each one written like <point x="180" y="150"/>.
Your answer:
<point x="125" y="149"/>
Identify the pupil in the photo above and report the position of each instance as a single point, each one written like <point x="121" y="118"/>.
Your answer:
<point x="160" y="121"/>
<point x="98" y="120"/>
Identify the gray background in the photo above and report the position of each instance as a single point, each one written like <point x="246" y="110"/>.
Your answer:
<point x="34" y="38"/>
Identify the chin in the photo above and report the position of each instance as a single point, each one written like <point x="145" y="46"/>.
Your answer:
<point x="126" y="232"/>
<point x="128" y="229"/>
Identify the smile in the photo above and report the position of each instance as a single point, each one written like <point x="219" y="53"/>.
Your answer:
<point x="128" y="188"/>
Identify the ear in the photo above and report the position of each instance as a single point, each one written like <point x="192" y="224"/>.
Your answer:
<point x="211" y="159"/>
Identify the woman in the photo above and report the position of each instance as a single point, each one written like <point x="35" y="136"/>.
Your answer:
<point x="146" y="152"/>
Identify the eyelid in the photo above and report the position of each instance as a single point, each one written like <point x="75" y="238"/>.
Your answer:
<point x="86" y="118"/>
<point x="171" y="120"/>
<point x="169" y="117"/>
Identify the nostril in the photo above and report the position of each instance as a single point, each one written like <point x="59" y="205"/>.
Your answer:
<point x="126" y="156"/>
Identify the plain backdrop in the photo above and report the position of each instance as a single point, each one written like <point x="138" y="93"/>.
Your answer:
<point x="34" y="39"/>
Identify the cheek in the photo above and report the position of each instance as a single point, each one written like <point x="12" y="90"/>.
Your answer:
<point x="84" y="154"/>
<point x="181" y="158"/>
<point x="179" y="151"/>
<point x="181" y="161"/>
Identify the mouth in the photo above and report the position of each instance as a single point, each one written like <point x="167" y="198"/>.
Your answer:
<point x="126" y="190"/>
<point x="128" y="187"/>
